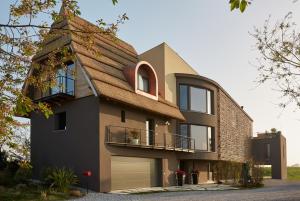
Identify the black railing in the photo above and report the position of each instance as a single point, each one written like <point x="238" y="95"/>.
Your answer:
<point x="64" y="85"/>
<point x="148" y="139"/>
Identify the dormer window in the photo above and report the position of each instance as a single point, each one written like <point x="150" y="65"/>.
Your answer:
<point x="143" y="81"/>
<point x="146" y="80"/>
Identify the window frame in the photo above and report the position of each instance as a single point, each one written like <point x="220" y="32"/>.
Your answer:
<point x="211" y="147"/>
<point x="209" y="111"/>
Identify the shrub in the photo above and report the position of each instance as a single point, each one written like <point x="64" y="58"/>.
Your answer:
<point x="23" y="173"/>
<point x="3" y="160"/>
<point x="6" y="178"/>
<point x="60" y="178"/>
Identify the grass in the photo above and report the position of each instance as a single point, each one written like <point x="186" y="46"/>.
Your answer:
<point x="293" y="173"/>
<point x="32" y="193"/>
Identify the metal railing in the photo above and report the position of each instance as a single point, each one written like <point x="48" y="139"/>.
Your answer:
<point x="148" y="139"/>
<point x="64" y="84"/>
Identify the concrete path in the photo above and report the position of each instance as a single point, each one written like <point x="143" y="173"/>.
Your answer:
<point x="274" y="190"/>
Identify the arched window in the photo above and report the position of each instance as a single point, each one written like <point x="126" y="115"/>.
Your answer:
<point x="146" y="80"/>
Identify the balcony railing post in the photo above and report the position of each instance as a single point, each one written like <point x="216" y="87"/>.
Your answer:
<point x="153" y="138"/>
<point x="141" y="137"/>
<point x="110" y="137"/>
<point x="125" y="136"/>
<point x="174" y="141"/>
<point x="194" y="144"/>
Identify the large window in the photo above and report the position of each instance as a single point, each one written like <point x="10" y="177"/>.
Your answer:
<point x="195" y="99"/>
<point x="65" y="82"/>
<point x="203" y="135"/>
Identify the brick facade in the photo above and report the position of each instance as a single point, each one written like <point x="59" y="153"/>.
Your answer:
<point x="235" y="130"/>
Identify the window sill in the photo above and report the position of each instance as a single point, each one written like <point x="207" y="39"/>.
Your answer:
<point x="194" y="111"/>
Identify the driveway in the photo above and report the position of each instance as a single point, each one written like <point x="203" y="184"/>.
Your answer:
<point x="273" y="190"/>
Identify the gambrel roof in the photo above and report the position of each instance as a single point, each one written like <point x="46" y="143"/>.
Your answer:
<point x="105" y="71"/>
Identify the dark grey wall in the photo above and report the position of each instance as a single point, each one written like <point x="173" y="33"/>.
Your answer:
<point x="77" y="147"/>
<point x="277" y="158"/>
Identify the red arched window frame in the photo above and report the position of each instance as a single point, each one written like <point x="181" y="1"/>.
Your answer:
<point x="146" y="67"/>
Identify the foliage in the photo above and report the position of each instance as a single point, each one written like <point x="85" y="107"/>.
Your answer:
<point x="293" y="173"/>
<point x="23" y="173"/>
<point x="227" y="170"/>
<point x="17" y="146"/>
<point x="3" y="160"/>
<point x="6" y="178"/>
<point x="22" y="35"/>
<point x="239" y="4"/>
<point x="61" y="178"/>
<point x="267" y="171"/>
<point x="30" y="193"/>
<point x="252" y="174"/>
<point x="279" y="60"/>
<point x="15" y="172"/>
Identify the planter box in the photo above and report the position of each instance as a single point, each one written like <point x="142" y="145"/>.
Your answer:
<point x="135" y="141"/>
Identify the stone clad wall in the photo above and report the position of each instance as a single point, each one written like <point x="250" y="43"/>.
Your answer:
<point x="235" y="130"/>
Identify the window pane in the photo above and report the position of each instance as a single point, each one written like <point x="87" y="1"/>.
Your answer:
<point x="209" y="136"/>
<point x="208" y="102"/>
<point x="70" y="70"/>
<point x="198" y="99"/>
<point x="183" y="92"/>
<point x="184" y="134"/>
<point x="70" y="79"/>
<point x="145" y="84"/>
<point x="199" y="133"/>
<point x="140" y="84"/>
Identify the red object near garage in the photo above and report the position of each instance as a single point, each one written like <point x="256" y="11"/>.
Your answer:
<point x="87" y="173"/>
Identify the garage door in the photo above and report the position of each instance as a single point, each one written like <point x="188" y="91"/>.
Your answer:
<point x="132" y="172"/>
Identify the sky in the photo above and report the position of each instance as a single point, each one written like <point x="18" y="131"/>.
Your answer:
<point x="215" y="42"/>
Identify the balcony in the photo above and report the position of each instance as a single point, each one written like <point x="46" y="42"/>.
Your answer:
<point x="64" y="90"/>
<point x="133" y="137"/>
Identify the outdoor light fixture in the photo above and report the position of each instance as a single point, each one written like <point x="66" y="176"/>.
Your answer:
<point x="87" y="174"/>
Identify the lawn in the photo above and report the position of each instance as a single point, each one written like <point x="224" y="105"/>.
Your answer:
<point x="29" y="194"/>
<point x="293" y="173"/>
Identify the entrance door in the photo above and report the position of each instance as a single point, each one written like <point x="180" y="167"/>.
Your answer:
<point x="150" y="131"/>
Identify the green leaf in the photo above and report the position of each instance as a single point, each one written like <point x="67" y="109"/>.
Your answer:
<point x="243" y="5"/>
<point x="114" y="2"/>
<point x="237" y="4"/>
<point x="232" y="5"/>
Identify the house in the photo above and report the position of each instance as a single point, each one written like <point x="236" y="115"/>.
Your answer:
<point x="133" y="119"/>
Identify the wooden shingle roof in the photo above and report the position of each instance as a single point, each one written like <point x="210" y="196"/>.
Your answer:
<point x="105" y="71"/>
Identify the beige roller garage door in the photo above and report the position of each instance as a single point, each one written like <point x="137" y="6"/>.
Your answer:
<point x="132" y="172"/>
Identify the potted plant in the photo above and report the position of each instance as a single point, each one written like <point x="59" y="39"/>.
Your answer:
<point x="135" y="138"/>
<point x="194" y="175"/>
<point x="180" y="177"/>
